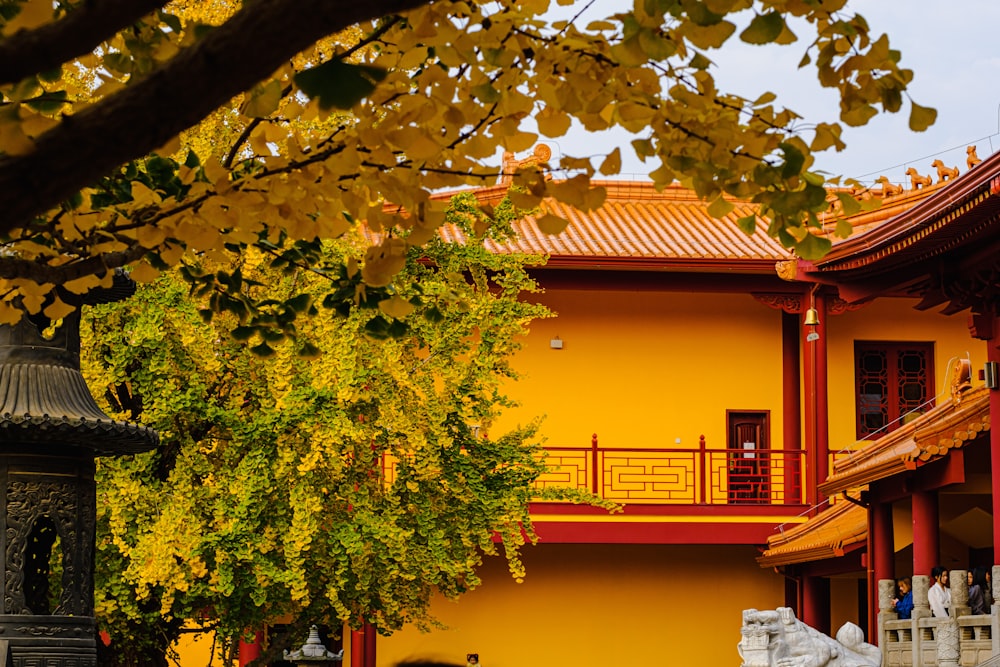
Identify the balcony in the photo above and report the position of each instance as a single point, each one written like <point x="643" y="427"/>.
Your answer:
<point x="676" y="476"/>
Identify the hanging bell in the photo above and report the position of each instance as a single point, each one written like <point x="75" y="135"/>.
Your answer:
<point x="812" y="318"/>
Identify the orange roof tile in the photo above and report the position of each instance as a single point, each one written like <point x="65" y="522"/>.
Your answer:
<point x="827" y="535"/>
<point x="662" y="229"/>
<point x="955" y="422"/>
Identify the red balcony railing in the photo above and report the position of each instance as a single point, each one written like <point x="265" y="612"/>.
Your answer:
<point x="678" y="476"/>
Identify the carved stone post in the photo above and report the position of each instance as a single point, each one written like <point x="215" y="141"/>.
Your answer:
<point x="886" y="592"/>
<point x="51" y="430"/>
<point x="947" y="642"/>
<point x="921" y="608"/>
<point x="959" y="584"/>
<point x="995" y="611"/>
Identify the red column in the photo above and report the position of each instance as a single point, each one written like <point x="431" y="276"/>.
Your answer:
<point x="790" y="405"/>
<point x="816" y="603"/>
<point x="883" y="547"/>
<point x="926" y="539"/>
<point x="250" y="651"/>
<point x="817" y="431"/>
<point x="882" y="560"/>
<point x="357" y="648"/>
<point x="984" y="325"/>
<point x="993" y="354"/>
<point x="369" y="645"/>
<point x="822" y="401"/>
<point x="809" y="414"/>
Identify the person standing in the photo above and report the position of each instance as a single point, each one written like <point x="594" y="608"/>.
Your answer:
<point x="939" y="595"/>
<point x="977" y="591"/>
<point x="903" y="603"/>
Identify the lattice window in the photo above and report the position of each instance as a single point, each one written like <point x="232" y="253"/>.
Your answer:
<point x="893" y="382"/>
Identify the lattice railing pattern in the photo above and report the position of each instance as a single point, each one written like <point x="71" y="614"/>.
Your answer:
<point x="673" y="476"/>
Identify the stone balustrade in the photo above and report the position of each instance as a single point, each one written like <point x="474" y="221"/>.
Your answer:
<point x="961" y="640"/>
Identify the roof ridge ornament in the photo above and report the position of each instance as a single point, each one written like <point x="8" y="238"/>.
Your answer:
<point x="510" y="165"/>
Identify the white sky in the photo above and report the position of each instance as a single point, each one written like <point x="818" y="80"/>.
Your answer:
<point x="952" y="48"/>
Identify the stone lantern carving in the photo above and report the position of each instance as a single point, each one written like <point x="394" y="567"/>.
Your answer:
<point x="51" y="431"/>
<point x="313" y="653"/>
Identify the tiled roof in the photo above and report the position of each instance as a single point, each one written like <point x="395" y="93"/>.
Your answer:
<point x="827" y="535"/>
<point x="955" y="422"/>
<point x="926" y="226"/>
<point x="661" y="229"/>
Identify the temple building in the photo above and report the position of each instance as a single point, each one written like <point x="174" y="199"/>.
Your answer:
<point x="778" y="432"/>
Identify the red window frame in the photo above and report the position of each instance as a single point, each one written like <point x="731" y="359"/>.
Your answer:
<point x="891" y="381"/>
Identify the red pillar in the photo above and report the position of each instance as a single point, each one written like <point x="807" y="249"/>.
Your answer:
<point x="926" y="539"/>
<point x="357" y="648"/>
<point x="809" y="414"/>
<point x="993" y="354"/>
<point x="882" y="560"/>
<point x="984" y="325"/>
<point x="791" y="397"/>
<point x="250" y="651"/>
<point x="822" y="400"/>
<point x="816" y="603"/>
<point x="817" y="420"/>
<point x="883" y="547"/>
<point x="370" y="636"/>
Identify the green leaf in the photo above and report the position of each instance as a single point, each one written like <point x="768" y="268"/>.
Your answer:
<point x="763" y="29"/>
<point x="485" y="93"/>
<point x="308" y="351"/>
<point x="921" y="117"/>
<point x="51" y="75"/>
<point x="720" y="208"/>
<point x="812" y="246"/>
<point x="849" y="204"/>
<point x="551" y="224"/>
<point x="844" y="228"/>
<point x="339" y="84"/>
<point x="48" y="102"/>
<point x="699" y="61"/>
<point x="172" y="21"/>
<point x="262" y="100"/>
<point x="747" y="223"/>
<point x="794" y="159"/>
<point x="243" y="333"/>
<point x="300" y="303"/>
<point x="262" y="350"/>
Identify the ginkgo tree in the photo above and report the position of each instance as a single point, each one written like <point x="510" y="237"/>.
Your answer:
<point x="346" y="488"/>
<point x="332" y="112"/>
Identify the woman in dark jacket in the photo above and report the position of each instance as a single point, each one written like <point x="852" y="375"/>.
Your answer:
<point x="977" y="591"/>
<point x="903" y="604"/>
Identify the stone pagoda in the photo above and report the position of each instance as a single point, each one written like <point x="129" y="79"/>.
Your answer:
<point x="51" y="431"/>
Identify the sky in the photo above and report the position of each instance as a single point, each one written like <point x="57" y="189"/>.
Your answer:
<point x="952" y="48"/>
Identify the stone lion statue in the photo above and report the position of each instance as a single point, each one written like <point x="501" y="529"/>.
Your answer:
<point x="778" y="639"/>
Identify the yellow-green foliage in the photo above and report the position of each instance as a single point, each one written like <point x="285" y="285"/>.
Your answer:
<point x="396" y="99"/>
<point x="346" y="486"/>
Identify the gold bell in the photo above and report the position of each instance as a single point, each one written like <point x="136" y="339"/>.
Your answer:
<point x="812" y="317"/>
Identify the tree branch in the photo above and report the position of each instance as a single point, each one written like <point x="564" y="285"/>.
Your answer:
<point x="28" y="52"/>
<point x="141" y="117"/>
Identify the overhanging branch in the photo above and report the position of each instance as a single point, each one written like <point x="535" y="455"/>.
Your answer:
<point x="28" y="52"/>
<point x="141" y="117"/>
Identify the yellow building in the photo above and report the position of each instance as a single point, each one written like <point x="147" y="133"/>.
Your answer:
<point x="681" y="379"/>
<point x="745" y="408"/>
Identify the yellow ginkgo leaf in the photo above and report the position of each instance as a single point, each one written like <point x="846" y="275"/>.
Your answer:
<point x="396" y="307"/>
<point x="144" y="273"/>
<point x="57" y="309"/>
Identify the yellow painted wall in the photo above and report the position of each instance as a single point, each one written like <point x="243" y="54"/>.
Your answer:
<point x="642" y="369"/>
<point x="844" y="603"/>
<point x="890" y="320"/>
<point x="601" y="605"/>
